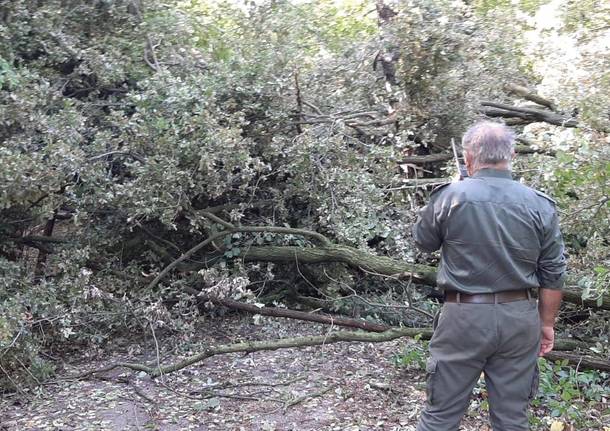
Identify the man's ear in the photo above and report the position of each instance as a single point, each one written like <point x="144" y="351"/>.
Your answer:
<point x="467" y="159"/>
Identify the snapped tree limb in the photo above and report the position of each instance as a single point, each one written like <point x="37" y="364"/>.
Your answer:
<point x="523" y="92"/>
<point x="493" y="109"/>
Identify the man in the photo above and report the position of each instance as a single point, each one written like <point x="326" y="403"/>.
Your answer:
<point x="499" y="240"/>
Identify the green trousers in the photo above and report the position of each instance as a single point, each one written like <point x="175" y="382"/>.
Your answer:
<point x="500" y="340"/>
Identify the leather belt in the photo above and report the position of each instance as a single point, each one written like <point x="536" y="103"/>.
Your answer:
<point x="488" y="298"/>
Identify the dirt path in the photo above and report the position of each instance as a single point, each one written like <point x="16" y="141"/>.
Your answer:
<point x="334" y="387"/>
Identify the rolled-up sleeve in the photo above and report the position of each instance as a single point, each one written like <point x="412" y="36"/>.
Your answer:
<point x="552" y="262"/>
<point x="427" y="231"/>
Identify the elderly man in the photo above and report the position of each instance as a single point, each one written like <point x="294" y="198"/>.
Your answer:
<point x="499" y="240"/>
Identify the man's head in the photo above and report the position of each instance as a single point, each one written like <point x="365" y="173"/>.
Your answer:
<point x="488" y="145"/>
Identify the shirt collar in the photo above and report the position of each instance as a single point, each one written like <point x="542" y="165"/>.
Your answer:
<point x="493" y="173"/>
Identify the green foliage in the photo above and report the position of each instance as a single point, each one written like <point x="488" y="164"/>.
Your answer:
<point x="569" y="393"/>
<point x="122" y="121"/>
<point x="414" y="355"/>
<point x="530" y="6"/>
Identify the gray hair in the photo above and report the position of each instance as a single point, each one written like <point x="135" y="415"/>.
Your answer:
<point x="489" y="143"/>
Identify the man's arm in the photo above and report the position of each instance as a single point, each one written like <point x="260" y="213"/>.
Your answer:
<point x="427" y="230"/>
<point x="551" y="275"/>
<point x="549" y="301"/>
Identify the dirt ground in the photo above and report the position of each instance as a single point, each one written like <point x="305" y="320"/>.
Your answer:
<point x="334" y="387"/>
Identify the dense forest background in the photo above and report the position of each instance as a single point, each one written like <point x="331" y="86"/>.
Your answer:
<point x="165" y="161"/>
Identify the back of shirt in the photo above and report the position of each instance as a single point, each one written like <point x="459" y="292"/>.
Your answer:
<point x="495" y="234"/>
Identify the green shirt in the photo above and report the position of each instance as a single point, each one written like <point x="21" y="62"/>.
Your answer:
<point x="494" y="233"/>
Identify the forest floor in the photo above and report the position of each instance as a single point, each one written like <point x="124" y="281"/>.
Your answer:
<point x="333" y="387"/>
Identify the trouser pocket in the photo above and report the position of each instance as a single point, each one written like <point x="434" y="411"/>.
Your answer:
<point x="431" y="366"/>
<point x="535" y="383"/>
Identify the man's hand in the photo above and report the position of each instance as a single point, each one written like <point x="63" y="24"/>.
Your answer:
<point x="547" y="340"/>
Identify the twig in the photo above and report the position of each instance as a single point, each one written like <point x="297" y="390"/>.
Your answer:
<point x="141" y="393"/>
<point x="114" y="153"/>
<point x="242" y="384"/>
<point x="312" y="106"/>
<point x="299" y="101"/>
<point x="187" y="255"/>
<point x="218" y="395"/>
<point x="15" y="385"/>
<point x="152" y="329"/>
<point x="300" y="399"/>
<point x="378" y="304"/>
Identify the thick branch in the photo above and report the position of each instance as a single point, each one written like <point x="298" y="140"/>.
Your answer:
<point x="521" y="91"/>
<point x="344" y="254"/>
<point x="187" y="255"/>
<point x="301" y="315"/>
<point x="562" y="344"/>
<point x="493" y="109"/>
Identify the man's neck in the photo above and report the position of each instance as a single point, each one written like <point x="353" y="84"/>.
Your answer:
<point x="504" y="166"/>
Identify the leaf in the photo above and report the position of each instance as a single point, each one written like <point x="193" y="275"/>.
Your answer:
<point x="557" y="426"/>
